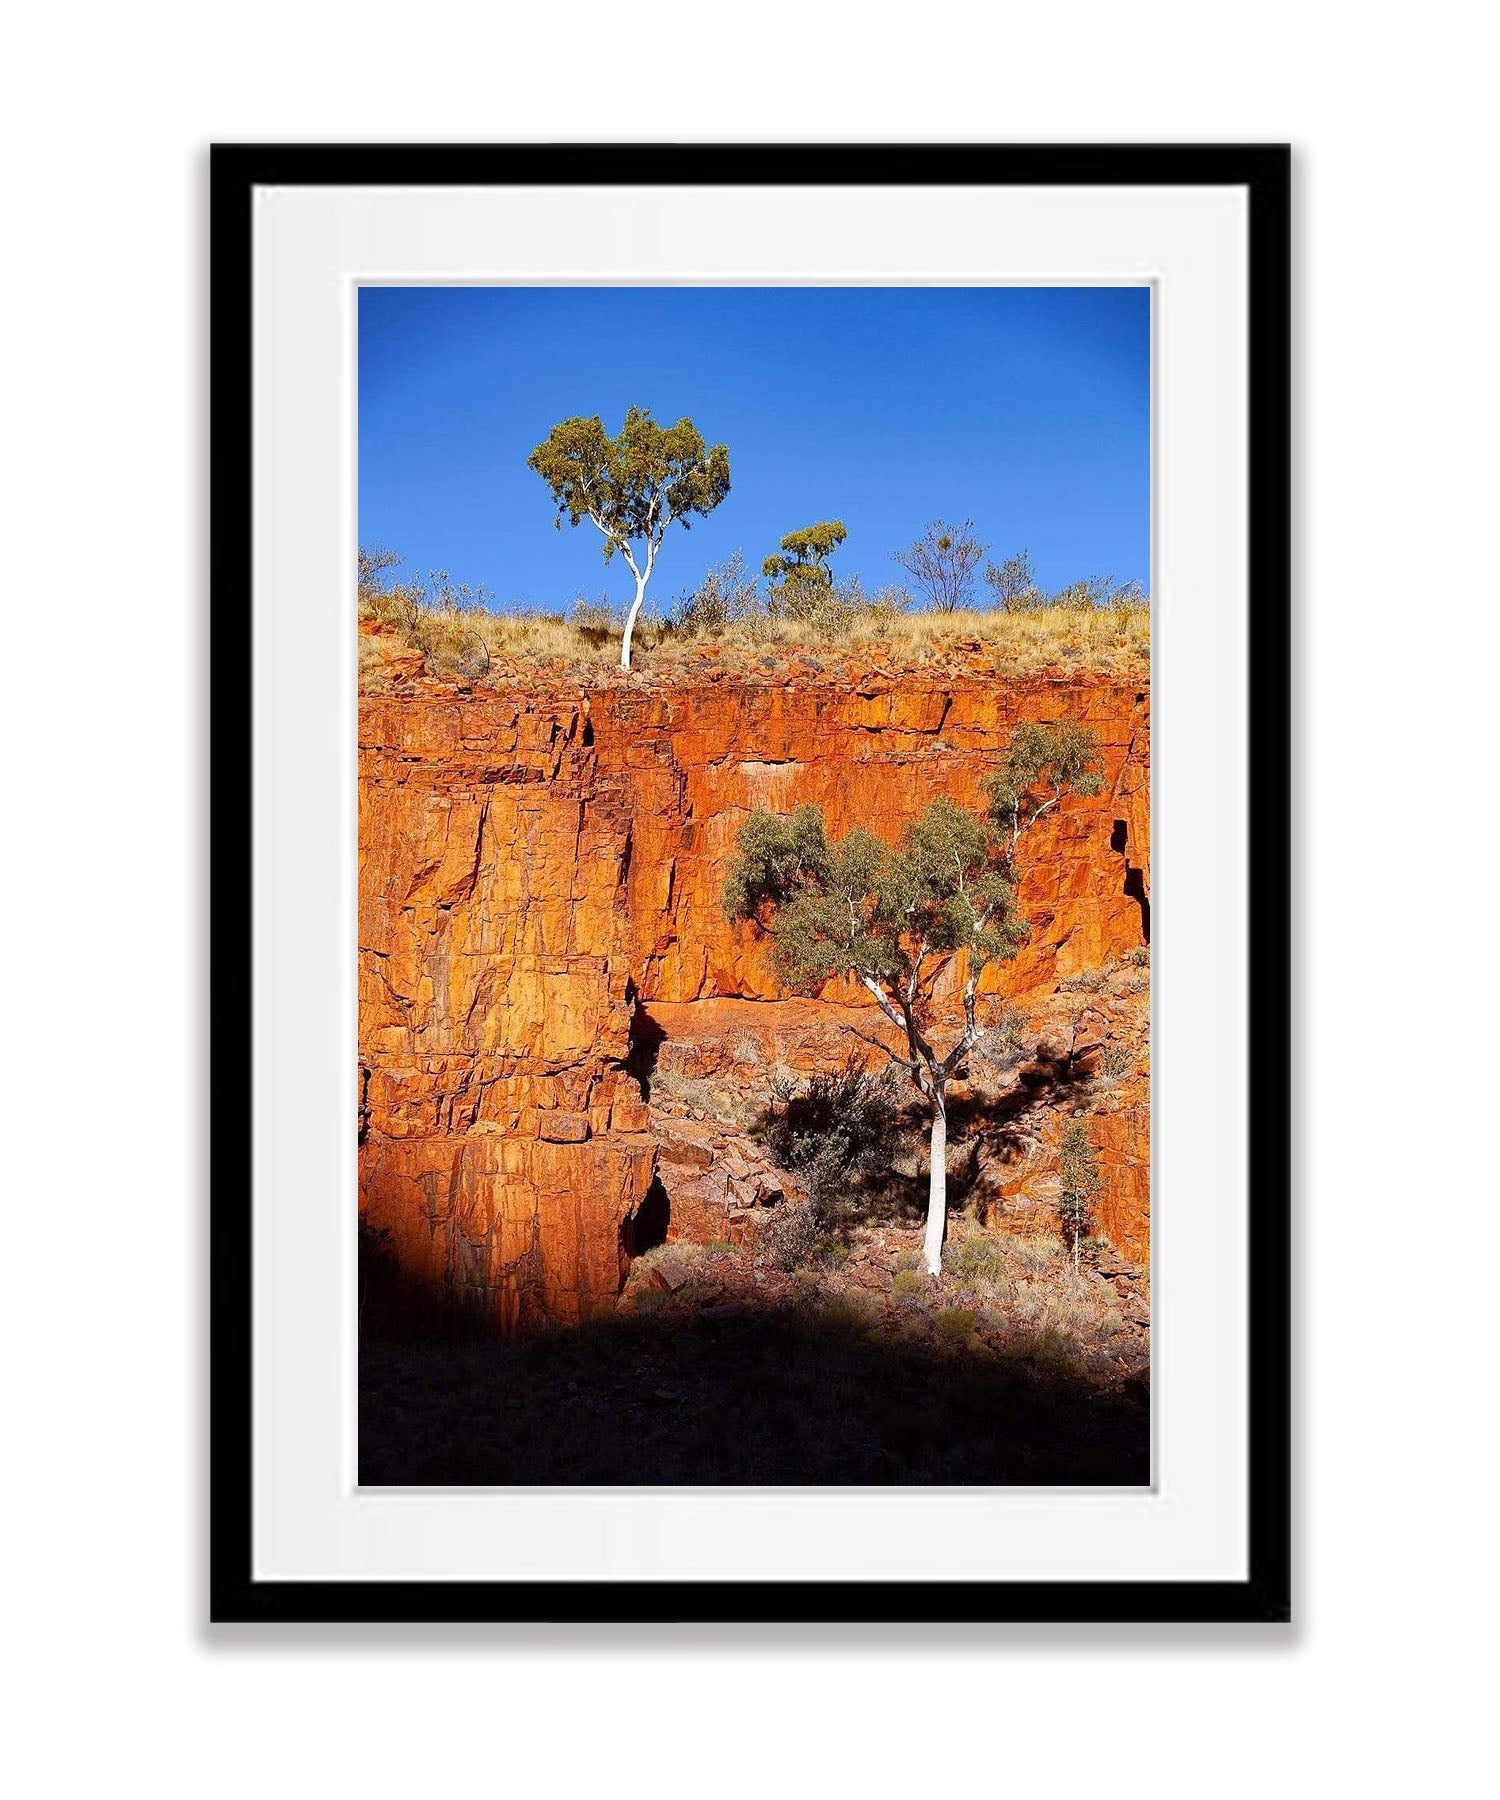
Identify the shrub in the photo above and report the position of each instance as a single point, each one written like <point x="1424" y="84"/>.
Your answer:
<point x="955" y="1326"/>
<point x="978" y="1262"/>
<point x="838" y="1317"/>
<point x="906" y="1284"/>
<point x="710" y="1098"/>
<point x="793" y="1236"/>
<point x="834" y="1132"/>
<point x="801" y="568"/>
<point x="1036" y="1255"/>
<point x="1102" y="592"/>
<point x="1086" y="981"/>
<point x="1013" y="584"/>
<point x="1055" y="1351"/>
<point x="1080" y="1175"/>
<point x="596" y="618"/>
<point x="823" y="610"/>
<point x="884" y="607"/>
<point x="1128" y="597"/>
<point x="444" y="594"/>
<point x="382" y="598"/>
<point x="1114" y="1061"/>
<point x="727" y="595"/>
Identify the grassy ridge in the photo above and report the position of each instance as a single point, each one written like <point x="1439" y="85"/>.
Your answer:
<point x="458" y="643"/>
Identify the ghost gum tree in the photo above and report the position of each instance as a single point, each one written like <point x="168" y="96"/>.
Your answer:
<point x="895" y="918"/>
<point x="632" y="487"/>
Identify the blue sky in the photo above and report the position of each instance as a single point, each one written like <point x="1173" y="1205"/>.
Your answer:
<point x="1025" y="409"/>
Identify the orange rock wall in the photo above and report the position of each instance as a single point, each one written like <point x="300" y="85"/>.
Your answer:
<point x="540" y="861"/>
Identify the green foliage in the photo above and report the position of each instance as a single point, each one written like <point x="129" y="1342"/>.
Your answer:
<point x="860" y="907"/>
<point x="894" y="917"/>
<point x="1041" y="763"/>
<point x="777" y="856"/>
<point x="1080" y="1176"/>
<point x="942" y="563"/>
<point x="946" y="887"/>
<point x="635" y="484"/>
<point x="800" y="577"/>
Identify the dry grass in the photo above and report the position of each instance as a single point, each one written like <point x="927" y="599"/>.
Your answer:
<point x="729" y="1103"/>
<point x="1110" y="640"/>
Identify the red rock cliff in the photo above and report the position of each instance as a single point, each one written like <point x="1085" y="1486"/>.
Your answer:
<point x="540" y="871"/>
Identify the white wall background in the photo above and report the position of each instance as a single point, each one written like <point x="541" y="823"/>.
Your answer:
<point x="1378" y="1688"/>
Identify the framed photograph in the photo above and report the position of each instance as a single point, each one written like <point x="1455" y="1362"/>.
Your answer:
<point x="750" y="797"/>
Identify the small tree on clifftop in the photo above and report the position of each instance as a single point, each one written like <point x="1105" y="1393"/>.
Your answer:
<point x="800" y="577"/>
<point x="942" y="563"/>
<point x="894" y="919"/>
<point x="1014" y="584"/>
<point x="632" y="487"/>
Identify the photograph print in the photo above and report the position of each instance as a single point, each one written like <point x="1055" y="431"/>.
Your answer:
<point x="754" y="1028"/>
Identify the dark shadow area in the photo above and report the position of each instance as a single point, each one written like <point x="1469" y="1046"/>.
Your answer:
<point x="771" y="1397"/>
<point x="1049" y="1075"/>
<point x="646" y="1040"/>
<point x="646" y="1228"/>
<point x="1135" y="887"/>
<point x="844" y="1134"/>
<point x="1135" y="879"/>
<point x="467" y="1303"/>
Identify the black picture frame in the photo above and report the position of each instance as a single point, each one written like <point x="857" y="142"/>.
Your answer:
<point x="1263" y="171"/>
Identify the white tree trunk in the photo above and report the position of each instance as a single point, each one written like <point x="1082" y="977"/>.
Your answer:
<point x="937" y="1190"/>
<point x="630" y="619"/>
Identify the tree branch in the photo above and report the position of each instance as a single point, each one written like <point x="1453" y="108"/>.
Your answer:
<point x="901" y="1062"/>
<point x="882" y="1000"/>
<point x="916" y="971"/>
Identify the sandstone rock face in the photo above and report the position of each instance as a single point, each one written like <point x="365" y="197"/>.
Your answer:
<point x="541" y="863"/>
